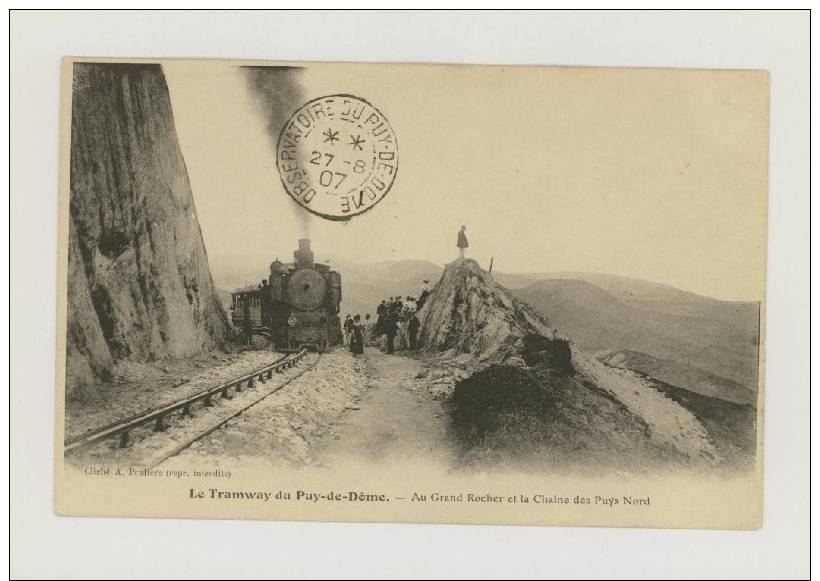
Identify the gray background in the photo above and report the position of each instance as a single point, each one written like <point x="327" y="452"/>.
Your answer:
<point x="45" y="545"/>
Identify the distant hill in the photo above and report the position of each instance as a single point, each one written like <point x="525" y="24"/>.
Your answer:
<point x="364" y="285"/>
<point x="662" y="322"/>
<point x="646" y="294"/>
<point x="232" y="271"/>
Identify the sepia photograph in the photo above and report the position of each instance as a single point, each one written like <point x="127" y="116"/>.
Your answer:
<point x="506" y="278"/>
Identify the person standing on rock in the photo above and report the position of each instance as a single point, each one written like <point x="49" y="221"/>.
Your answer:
<point x="462" y="242"/>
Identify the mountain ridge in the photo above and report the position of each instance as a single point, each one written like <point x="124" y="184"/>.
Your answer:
<point x="238" y="268"/>
<point x="712" y="336"/>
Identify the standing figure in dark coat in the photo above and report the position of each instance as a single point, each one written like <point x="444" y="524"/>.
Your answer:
<point x="462" y="242"/>
<point x="381" y="315"/>
<point x="391" y="328"/>
<point x="357" y="336"/>
<point x="413" y="331"/>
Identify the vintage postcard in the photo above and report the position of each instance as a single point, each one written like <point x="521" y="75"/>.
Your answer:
<point x="412" y="293"/>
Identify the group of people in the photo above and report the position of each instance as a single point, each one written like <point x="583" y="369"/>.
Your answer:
<point x="394" y="318"/>
<point x="398" y="318"/>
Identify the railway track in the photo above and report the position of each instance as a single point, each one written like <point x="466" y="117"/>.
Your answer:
<point x="158" y="417"/>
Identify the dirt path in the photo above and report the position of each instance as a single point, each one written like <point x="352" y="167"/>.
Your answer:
<point x="396" y="419"/>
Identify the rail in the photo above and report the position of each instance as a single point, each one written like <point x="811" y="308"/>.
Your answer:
<point x="159" y="415"/>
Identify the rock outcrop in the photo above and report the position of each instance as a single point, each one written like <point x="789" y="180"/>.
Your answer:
<point x="514" y="387"/>
<point x="467" y="312"/>
<point x="139" y="286"/>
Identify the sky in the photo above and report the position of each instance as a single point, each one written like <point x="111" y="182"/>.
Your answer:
<point x="647" y="173"/>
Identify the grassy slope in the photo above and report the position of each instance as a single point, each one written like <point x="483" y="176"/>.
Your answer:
<point x="541" y="419"/>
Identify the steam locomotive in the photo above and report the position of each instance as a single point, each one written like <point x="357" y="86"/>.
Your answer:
<point x="296" y="307"/>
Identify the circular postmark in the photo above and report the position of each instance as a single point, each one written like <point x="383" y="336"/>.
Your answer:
<point x="337" y="156"/>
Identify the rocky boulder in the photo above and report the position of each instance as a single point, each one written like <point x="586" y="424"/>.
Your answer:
<point x="468" y="312"/>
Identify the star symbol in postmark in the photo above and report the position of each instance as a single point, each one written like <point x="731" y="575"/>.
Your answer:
<point x="356" y="141"/>
<point x="330" y="136"/>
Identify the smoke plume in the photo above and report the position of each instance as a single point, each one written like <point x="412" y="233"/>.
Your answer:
<point x="278" y="94"/>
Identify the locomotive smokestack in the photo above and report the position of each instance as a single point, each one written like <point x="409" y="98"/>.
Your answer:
<point x="304" y="256"/>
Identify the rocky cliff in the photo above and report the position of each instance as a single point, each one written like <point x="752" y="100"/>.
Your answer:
<point x="467" y="312"/>
<point x="139" y="287"/>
